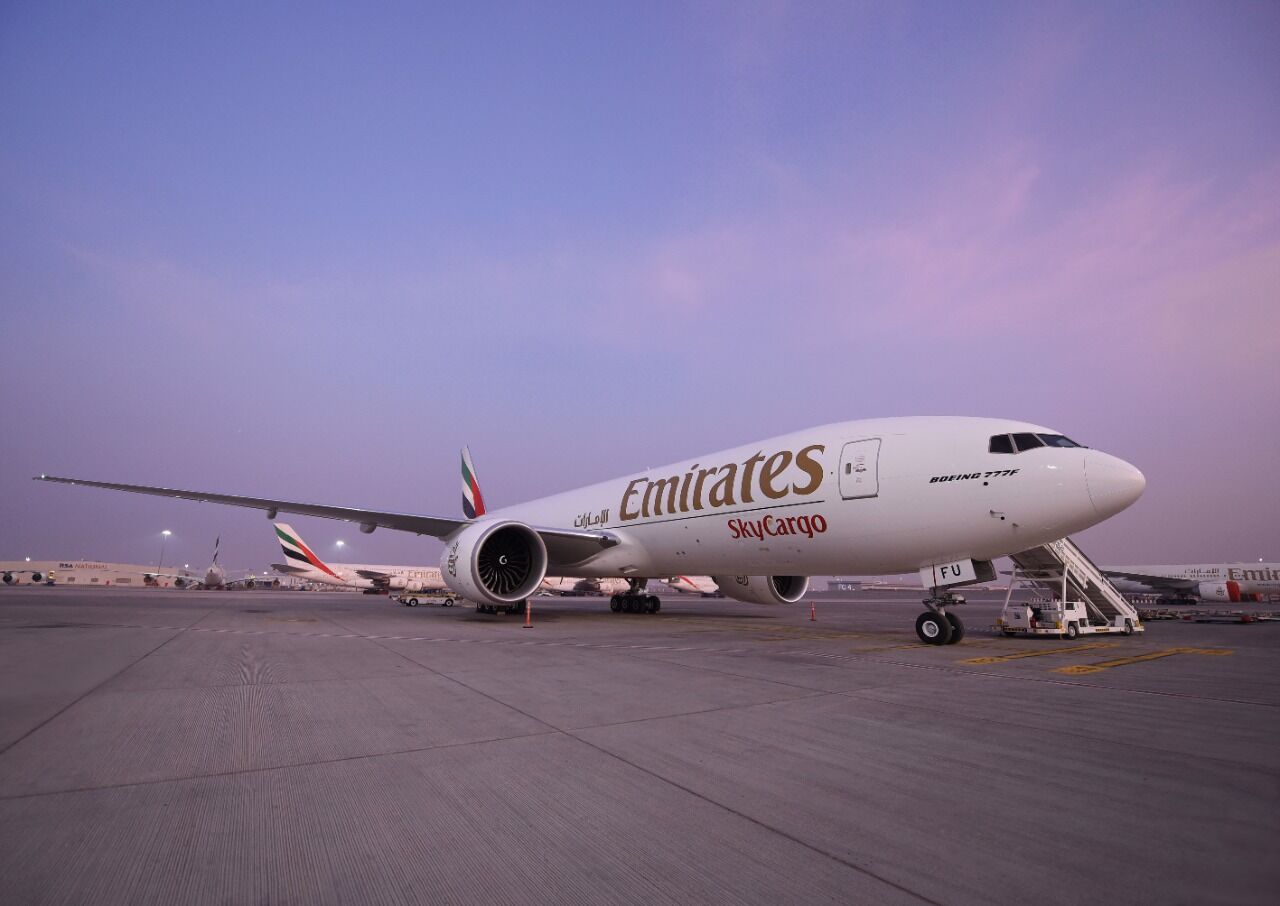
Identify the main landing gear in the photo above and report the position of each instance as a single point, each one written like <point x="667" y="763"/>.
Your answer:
<point x="507" y="609"/>
<point x="936" y="626"/>
<point x="635" y="601"/>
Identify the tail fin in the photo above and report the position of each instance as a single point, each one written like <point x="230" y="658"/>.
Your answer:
<point x="217" y="542"/>
<point x="472" y="501"/>
<point x="296" y="553"/>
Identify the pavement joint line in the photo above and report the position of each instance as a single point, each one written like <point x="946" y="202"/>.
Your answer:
<point x="1076" y="669"/>
<point x="863" y="694"/>
<point x="364" y="756"/>
<point x="802" y="653"/>
<point x="853" y="866"/>
<point x="79" y="698"/>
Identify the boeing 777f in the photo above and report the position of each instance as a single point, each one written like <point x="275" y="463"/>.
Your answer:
<point x="944" y="495"/>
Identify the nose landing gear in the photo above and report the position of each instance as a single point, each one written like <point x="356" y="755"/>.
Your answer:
<point x="936" y="626"/>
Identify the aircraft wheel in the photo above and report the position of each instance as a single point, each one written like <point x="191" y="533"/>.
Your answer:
<point x="615" y="604"/>
<point x="1073" y="631"/>
<point x="654" y="604"/>
<point x="957" y="628"/>
<point x="1128" y="627"/>
<point x="933" y="629"/>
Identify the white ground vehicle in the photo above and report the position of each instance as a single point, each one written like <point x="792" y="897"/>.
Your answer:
<point x="1081" y="598"/>
<point x="1065" y="619"/>
<point x="415" y="600"/>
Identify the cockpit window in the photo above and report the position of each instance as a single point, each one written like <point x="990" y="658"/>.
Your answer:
<point x="1027" y="441"/>
<point x="1000" y="443"/>
<point x="1057" y="440"/>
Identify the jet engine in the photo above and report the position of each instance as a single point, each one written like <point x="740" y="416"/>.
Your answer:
<point x="9" y="578"/>
<point x="180" y="582"/>
<point x="1220" y="591"/>
<point x="763" y="589"/>
<point x="37" y="578"/>
<point x="494" y="562"/>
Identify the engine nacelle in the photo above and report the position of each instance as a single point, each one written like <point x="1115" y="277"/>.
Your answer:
<point x="763" y="589"/>
<point x="495" y="562"/>
<point x="10" y="578"/>
<point x="1220" y="591"/>
<point x="180" y="582"/>
<point x="37" y="578"/>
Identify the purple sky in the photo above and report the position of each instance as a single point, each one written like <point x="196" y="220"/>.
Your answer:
<point x="310" y="253"/>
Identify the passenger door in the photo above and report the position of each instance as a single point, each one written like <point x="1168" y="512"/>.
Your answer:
<point x="860" y="469"/>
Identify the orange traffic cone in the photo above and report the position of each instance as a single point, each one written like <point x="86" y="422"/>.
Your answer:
<point x="813" y="612"/>
<point x="528" y="613"/>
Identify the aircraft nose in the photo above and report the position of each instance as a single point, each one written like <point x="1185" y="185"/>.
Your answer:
<point x="1113" y="483"/>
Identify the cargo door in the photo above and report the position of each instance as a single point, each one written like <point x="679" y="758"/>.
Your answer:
<point x="859" y="469"/>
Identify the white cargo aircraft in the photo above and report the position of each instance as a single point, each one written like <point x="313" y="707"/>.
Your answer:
<point x="302" y="562"/>
<point x="945" y="495"/>
<point x="1203" y="581"/>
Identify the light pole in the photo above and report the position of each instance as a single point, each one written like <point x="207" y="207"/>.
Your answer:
<point x="164" y="536"/>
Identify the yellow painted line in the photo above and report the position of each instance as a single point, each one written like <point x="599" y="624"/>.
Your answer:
<point x="1138" y="659"/>
<point x="1017" y="656"/>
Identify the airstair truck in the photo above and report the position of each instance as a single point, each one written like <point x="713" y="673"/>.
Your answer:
<point x="1081" y="600"/>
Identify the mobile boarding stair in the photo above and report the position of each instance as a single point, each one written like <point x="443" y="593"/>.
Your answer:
<point x="1071" y="577"/>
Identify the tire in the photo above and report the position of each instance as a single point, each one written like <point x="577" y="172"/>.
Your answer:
<point x="1073" y="631"/>
<point x="447" y="602"/>
<point x="933" y="629"/>
<point x="1128" y="627"/>
<point x="957" y="628"/>
<point x="615" y="604"/>
<point x="412" y="602"/>
<point x="654" y="604"/>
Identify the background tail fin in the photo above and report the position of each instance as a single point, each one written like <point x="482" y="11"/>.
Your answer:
<point x="217" y="542"/>
<point x="296" y="552"/>
<point x="472" y="501"/>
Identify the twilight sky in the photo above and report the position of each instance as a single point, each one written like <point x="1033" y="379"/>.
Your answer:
<point x="309" y="252"/>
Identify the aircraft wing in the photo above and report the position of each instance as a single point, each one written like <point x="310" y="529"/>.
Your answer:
<point x="1158" y="582"/>
<point x="564" y="546"/>
<point x="372" y="574"/>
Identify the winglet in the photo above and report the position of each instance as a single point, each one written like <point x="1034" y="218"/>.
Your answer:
<point x="472" y="501"/>
<point x="297" y="553"/>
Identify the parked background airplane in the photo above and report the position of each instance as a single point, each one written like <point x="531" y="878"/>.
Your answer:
<point x="695" y="585"/>
<point x="215" y="577"/>
<point x="943" y="495"/>
<point x="575" y="585"/>
<point x="302" y="562"/>
<point x="1199" y="581"/>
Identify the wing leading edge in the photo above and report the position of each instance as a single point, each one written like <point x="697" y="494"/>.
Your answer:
<point x="564" y="546"/>
<point x="1155" y="582"/>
